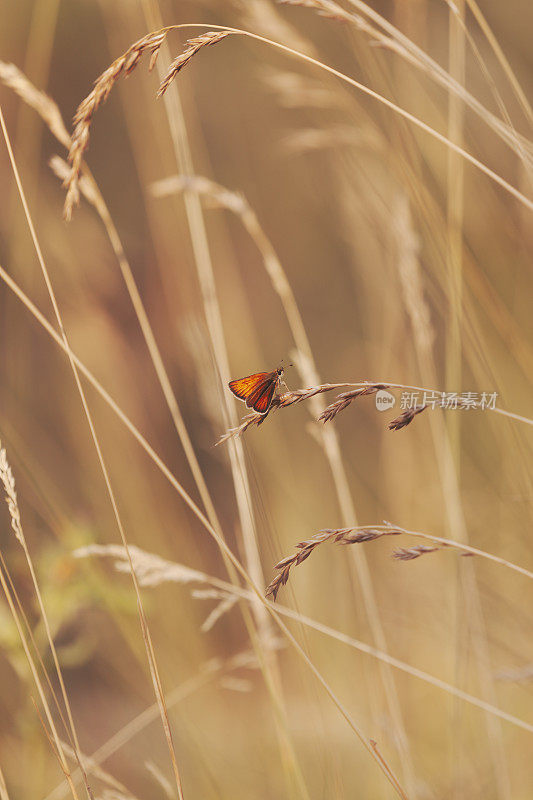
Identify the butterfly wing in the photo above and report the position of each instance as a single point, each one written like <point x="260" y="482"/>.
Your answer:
<point x="244" y="388"/>
<point x="256" y="390"/>
<point x="263" y="401"/>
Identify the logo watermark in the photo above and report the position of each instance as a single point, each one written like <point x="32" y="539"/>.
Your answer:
<point x="384" y="400"/>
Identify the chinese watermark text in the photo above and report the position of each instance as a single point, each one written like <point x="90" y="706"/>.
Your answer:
<point x="449" y="400"/>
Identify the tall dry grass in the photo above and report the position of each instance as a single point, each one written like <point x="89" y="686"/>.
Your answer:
<point x="379" y="168"/>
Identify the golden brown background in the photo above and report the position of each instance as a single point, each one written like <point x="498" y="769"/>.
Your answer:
<point x="408" y="265"/>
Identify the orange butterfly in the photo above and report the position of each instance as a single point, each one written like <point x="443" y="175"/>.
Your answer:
<point x="257" y="390"/>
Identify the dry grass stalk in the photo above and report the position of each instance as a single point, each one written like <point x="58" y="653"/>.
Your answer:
<point x="408" y="50"/>
<point x="405" y="418"/>
<point x="346" y="398"/>
<point x="211" y="670"/>
<point x="154" y="673"/>
<point x="410" y="273"/>
<point x="206" y="277"/>
<point x="279" y="401"/>
<point x="236" y="684"/>
<point x="159" y="463"/>
<point x="226" y="601"/>
<point x="343" y="401"/>
<point x="160" y="778"/>
<point x="194" y="45"/>
<point x="4" y="795"/>
<point x="359" y="535"/>
<point x="8" y="482"/>
<point x="296" y="91"/>
<point x="516" y="675"/>
<point x="325" y="8"/>
<point x="249" y="659"/>
<point x="410" y="553"/>
<point x="86" y="185"/>
<point x="343" y="536"/>
<point x="218" y="195"/>
<point x="413" y="54"/>
<point x="500" y="55"/>
<point x="59" y="755"/>
<point x="94" y="770"/>
<point x="366" y="742"/>
<point x="305" y="140"/>
<point x="304" y="362"/>
<point x="48" y="110"/>
<point x="89" y="189"/>
<point x="11" y="76"/>
<point x="50" y="114"/>
<point x="489" y="708"/>
<point x="491" y="83"/>
<point x="148" y="566"/>
<point x="53" y="737"/>
<point x="153" y="41"/>
<point x="123" y="65"/>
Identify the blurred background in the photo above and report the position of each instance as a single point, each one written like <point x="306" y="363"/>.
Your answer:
<point x="351" y="242"/>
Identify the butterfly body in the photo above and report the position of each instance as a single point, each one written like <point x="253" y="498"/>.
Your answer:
<point x="257" y="390"/>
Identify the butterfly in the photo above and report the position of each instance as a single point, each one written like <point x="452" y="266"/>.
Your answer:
<point x="257" y="390"/>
